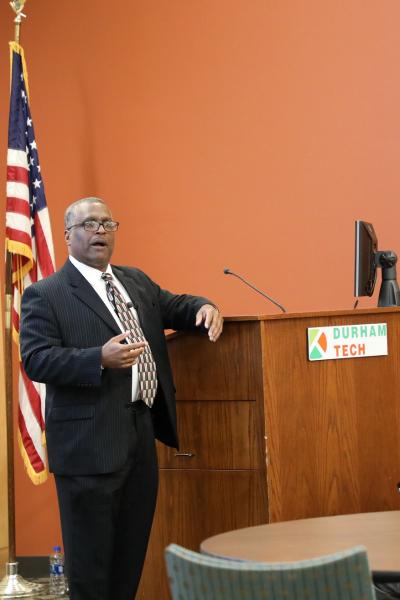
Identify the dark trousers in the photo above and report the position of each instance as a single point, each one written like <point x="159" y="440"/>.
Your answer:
<point x="106" y="519"/>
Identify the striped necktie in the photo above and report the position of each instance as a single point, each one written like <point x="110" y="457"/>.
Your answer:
<point x="147" y="373"/>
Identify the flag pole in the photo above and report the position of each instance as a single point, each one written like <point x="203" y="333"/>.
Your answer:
<point x="17" y="6"/>
<point x="12" y="585"/>
<point x="9" y="410"/>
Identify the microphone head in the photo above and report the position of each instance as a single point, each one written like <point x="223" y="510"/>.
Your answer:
<point x="129" y="304"/>
<point x="227" y="271"/>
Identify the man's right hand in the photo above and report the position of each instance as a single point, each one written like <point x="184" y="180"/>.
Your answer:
<point x="116" y="355"/>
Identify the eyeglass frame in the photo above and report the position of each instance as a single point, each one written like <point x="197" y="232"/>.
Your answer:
<point x="99" y="224"/>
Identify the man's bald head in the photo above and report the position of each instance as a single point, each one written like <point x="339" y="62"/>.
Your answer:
<point x="71" y="209"/>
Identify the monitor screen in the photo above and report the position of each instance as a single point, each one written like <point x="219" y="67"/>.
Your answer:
<point x="365" y="268"/>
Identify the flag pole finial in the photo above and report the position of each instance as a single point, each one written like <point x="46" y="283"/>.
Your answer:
<point x="17" y="6"/>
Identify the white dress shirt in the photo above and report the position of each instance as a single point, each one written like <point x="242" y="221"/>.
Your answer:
<point x="93" y="276"/>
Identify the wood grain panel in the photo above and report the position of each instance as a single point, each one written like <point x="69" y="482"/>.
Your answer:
<point x="193" y="505"/>
<point x="229" y="370"/>
<point x="217" y="435"/>
<point x="332" y="426"/>
<point x="327" y="431"/>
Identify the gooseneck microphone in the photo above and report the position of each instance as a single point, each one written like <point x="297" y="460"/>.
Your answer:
<point x="253" y="287"/>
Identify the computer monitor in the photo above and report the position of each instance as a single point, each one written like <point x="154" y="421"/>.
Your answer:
<point x="367" y="260"/>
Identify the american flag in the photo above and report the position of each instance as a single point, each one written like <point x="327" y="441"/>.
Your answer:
<point x="29" y="240"/>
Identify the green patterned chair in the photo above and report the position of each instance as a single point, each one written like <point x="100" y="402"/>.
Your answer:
<point x="341" y="576"/>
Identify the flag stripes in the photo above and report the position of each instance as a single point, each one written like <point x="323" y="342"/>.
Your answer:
<point x="29" y="240"/>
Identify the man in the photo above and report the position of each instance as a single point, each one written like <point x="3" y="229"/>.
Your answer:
<point x="95" y="335"/>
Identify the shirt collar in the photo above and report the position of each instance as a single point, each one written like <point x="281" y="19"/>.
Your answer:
<point x="91" y="274"/>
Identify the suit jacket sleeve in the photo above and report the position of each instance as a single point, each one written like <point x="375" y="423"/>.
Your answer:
<point x="44" y="357"/>
<point x="179" y="310"/>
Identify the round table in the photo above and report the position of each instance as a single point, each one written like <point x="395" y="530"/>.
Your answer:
<point x="297" y="540"/>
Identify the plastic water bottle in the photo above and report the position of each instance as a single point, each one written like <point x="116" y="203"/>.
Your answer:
<point x="57" y="578"/>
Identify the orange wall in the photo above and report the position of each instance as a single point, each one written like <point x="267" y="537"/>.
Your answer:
<point x="248" y="134"/>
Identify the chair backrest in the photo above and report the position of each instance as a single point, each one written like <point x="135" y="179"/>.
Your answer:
<point x="341" y="576"/>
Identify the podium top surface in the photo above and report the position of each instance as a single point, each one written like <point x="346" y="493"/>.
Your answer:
<point x="326" y="313"/>
<point x="372" y="312"/>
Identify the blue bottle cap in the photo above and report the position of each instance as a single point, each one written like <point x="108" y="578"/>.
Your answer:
<point x="57" y="548"/>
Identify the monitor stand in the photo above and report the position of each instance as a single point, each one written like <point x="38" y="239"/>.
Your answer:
<point x="389" y="294"/>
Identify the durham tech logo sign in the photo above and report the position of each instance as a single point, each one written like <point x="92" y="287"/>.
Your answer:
<point x="347" y="341"/>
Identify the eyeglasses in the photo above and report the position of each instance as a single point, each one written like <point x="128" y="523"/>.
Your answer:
<point x="94" y="226"/>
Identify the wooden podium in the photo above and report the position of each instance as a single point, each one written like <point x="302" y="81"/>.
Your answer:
<point x="266" y="435"/>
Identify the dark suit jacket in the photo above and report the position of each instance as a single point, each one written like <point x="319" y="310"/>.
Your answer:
<point x="64" y="325"/>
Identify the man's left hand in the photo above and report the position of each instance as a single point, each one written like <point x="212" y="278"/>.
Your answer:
<point x="212" y="319"/>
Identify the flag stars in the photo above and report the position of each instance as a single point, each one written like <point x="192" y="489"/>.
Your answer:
<point x="37" y="183"/>
<point x="38" y="168"/>
<point x="23" y="96"/>
<point x="33" y="145"/>
<point x="31" y="161"/>
<point x="29" y="122"/>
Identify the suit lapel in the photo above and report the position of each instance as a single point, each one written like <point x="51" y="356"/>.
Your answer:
<point x="85" y="293"/>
